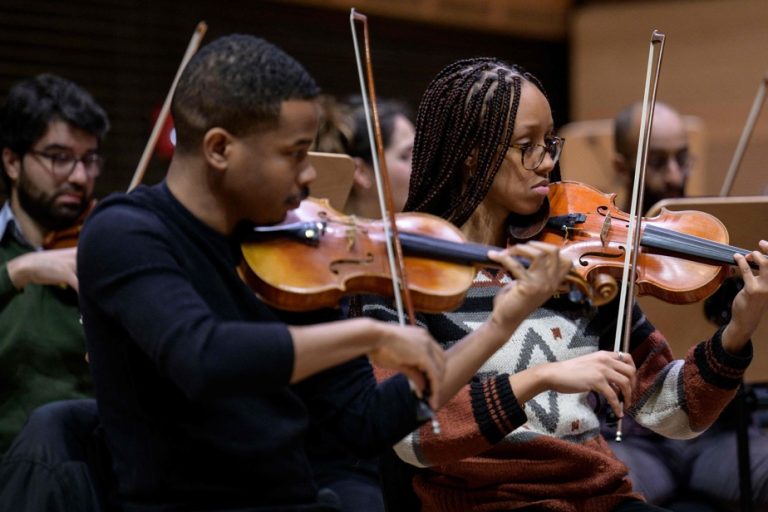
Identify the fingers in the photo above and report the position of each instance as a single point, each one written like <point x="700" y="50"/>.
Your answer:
<point x="754" y="281"/>
<point x="413" y="352"/>
<point x="434" y="371"/>
<point x="537" y="267"/>
<point x="545" y="258"/>
<point x="511" y="263"/>
<point x="612" y="398"/>
<point x="72" y="281"/>
<point x="612" y="374"/>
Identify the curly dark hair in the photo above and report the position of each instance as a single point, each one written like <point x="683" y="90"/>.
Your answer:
<point x="237" y="82"/>
<point x="468" y="110"/>
<point x="33" y="103"/>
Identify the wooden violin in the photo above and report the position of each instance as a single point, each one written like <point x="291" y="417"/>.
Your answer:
<point x="317" y="255"/>
<point x="683" y="257"/>
<point x="67" y="237"/>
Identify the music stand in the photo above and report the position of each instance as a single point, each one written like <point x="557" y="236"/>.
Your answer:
<point x="335" y="173"/>
<point x="686" y="325"/>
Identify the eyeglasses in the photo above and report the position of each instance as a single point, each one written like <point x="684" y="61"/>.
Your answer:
<point x="533" y="154"/>
<point x="63" y="164"/>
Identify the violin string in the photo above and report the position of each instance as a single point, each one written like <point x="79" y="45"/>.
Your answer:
<point x="684" y="243"/>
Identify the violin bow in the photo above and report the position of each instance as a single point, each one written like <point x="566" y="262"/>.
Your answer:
<point x="624" y="320"/>
<point x="194" y="44"/>
<point x="401" y="292"/>
<point x="394" y="250"/>
<point x="746" y="134"/>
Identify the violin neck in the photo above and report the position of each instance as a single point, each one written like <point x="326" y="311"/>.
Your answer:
<point x="445" y="250"/>
<point x="691" y="246"/>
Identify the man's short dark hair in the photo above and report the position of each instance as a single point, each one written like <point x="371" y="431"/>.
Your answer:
<point x="238" y="83"/>
<point x="623" y="125"/>
<point x="35" y="102"/>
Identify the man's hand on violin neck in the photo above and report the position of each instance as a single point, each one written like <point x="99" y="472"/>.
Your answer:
<point x="55" y="267"/>
<point x="751" y="303"/>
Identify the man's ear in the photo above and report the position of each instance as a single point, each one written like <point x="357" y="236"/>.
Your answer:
<point x="12" y="164"/>
<point x="217" y="148"/>
<point x="362" y="177"/>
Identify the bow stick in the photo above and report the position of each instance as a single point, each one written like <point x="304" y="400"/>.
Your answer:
<point x="394" y="250"/>
<point x="194" y="44"/>
<point x="624" y="320"/>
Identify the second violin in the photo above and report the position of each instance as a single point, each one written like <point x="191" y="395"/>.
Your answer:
<point x="684" y="256"/>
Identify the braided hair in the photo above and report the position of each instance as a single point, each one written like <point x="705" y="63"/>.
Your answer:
<point x="467" y="112"/>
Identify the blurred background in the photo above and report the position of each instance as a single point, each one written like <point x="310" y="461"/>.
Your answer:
<point x="591" y="56"/>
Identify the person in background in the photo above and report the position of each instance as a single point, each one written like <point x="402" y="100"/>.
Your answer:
<point x="699" y="474"/>
<point x="522" y="434"/>
<point x="51" y="132"/>
<point x="669" y="161"/>
<point x="397" y="134"/>
<point x="343" y="129"/>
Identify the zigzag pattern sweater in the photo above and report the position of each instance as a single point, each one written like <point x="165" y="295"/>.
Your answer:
<point x="494" y="455"/>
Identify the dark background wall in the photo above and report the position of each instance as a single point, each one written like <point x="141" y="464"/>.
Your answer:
<point x="126" y="53"/>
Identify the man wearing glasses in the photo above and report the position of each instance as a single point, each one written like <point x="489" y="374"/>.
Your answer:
<point x="669" y="159"/>
<point x="50" y="136"/>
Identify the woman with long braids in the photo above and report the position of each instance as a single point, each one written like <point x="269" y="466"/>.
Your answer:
<point x="522" y="433"/>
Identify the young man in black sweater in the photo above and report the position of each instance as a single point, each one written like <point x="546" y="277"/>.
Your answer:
<point x="204" y="393"/>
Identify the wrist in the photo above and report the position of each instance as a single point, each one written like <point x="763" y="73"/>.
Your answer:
<point x="504" y="325"/>
<point x="16" y="273"/>
<point x="372" y="332"/>
<point x="733" y="338"/>
<point x="529" y="383"/>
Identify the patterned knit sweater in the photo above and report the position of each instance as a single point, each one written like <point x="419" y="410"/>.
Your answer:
<point x="496" y="454"/>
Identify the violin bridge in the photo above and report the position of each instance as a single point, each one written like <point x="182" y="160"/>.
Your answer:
<point x="605" y="229"/>
<point x="350" y="239"/>
<point x="351" y="233"/>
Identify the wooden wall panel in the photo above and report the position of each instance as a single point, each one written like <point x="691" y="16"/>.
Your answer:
<point x="716" y="55"/>
<point x="545" y="19"/>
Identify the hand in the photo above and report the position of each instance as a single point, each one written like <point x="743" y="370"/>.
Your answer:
<point x="611" y="374"/>
<point x="412" y="351"/>
<point x="532" y="286"/>
<point x="751" y="303"/>
<point x="58" y="266"/>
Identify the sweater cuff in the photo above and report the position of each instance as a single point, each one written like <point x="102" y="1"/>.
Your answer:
<point x="495" y="407"/>
<point x="719" y="367"/>
<point x="7" y="289"/>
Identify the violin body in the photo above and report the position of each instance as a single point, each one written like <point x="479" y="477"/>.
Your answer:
<point x="68" y="237"/>
<point x="349" y="257"/>
<point x="677" y="272"/>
